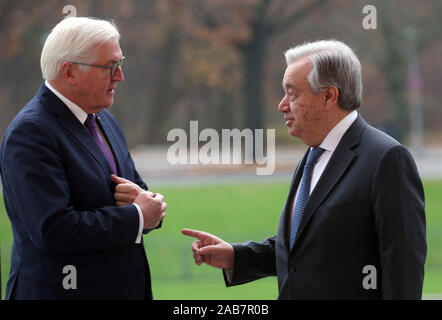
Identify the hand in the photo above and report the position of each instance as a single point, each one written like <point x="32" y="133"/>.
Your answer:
<point x="153" y="208"/>
<point x="210" y="249"/>
<point x="126" y="191"/>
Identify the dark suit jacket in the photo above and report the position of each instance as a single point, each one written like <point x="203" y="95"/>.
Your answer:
<point x="367" y="209"/>
<point x="59" y="198"/>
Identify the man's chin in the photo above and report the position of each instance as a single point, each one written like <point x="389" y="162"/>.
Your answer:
<point x="293" y="132"/>
<point x="108" y="104"/>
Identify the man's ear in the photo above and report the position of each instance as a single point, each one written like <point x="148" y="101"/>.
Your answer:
<point x="69" y="72"/>
<point x="331" y="95"/>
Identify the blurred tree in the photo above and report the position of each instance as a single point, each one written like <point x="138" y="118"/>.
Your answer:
<point x="249" y="26"/>
<point x="407" y="31"/>
<point x="220" y="62"/>
<point x="21" y="33"/>
<point x="165" y="91"/>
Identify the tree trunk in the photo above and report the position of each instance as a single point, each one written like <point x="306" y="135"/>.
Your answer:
<point x="164" y="95"/>
<point x="253" y="55"/>
<point x="253" y="61"/>
<point x="394" y="67"/>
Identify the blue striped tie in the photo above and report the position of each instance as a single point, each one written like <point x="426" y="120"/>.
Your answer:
<point x="304" y="192"/>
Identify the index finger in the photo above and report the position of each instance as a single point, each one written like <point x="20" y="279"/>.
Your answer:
<point x="196" y="234"/>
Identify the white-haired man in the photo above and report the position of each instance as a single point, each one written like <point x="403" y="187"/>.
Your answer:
<point x="353" y="226"/>
<point x="77" y="205"/>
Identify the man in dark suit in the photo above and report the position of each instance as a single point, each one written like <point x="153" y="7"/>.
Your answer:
<point x="353" y="226"/>
<point x="77" y="205"/>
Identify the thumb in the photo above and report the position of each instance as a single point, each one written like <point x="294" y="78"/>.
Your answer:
<point x="117" y="179"/>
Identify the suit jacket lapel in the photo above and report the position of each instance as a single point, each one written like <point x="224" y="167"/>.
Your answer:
<point x="80" y="133"/>
<point x="68" y="121"/>
<point x="338" y="164"/>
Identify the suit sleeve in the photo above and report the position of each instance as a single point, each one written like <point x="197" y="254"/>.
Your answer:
<point x="253" y="260"/>
<point x="39" y="195"/>
<point x="398" y="204"/>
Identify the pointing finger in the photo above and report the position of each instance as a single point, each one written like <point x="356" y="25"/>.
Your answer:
<point x="195" y="233"/>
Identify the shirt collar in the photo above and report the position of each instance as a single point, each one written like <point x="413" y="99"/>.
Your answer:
<point x="335" y="135"/>
<point x="79" y="113"/>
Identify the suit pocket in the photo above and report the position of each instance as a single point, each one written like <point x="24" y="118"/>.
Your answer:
<point x="344" y="205"/>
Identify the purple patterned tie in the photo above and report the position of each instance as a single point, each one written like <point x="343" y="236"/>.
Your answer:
<point x="91" y="125"/>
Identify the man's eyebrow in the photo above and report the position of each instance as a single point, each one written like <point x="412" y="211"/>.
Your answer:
<point x="112" y="61"/>
<point x="287" y="85"/>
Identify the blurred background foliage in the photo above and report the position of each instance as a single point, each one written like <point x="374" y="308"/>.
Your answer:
<point x="221" y="61"/>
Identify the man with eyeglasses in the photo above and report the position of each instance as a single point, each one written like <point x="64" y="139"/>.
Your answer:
<point x="77" y="205"/>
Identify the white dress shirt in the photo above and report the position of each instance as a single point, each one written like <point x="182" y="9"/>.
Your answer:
<point x="81" y="115"/>
<point x="329" y="145"/>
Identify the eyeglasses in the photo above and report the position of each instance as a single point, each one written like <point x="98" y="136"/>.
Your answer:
<point x="112" y="69"/>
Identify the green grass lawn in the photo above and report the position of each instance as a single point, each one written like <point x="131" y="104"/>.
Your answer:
<point x="235" y="213"/>
<point x="433" y="266"/>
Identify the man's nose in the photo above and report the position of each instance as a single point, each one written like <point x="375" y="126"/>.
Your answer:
<point x="283" y="105"/>
<point x="119" y="75"/>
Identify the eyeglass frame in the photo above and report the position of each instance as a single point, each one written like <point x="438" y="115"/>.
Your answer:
<point x="112" y="69"/>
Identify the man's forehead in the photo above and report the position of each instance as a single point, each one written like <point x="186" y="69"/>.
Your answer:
<point x="109" y="51"/>
<point x="297" y="69"/>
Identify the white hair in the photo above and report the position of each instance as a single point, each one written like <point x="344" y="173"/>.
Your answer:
<point x="334" y="64"/>
<point x="72" y="39"/>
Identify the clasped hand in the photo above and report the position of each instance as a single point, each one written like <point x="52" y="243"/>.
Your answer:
<point x="152" y="205"/>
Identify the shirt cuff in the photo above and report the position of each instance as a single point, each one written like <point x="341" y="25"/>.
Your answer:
<point x="140" y="228"/>
<point x="229" y="274"/>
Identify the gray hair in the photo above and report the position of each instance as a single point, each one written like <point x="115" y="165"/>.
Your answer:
<point x="72" y="39"/>
<point x="334" y="64"/>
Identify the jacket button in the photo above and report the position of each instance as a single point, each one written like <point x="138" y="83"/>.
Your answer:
<point x="292" y="269"/>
